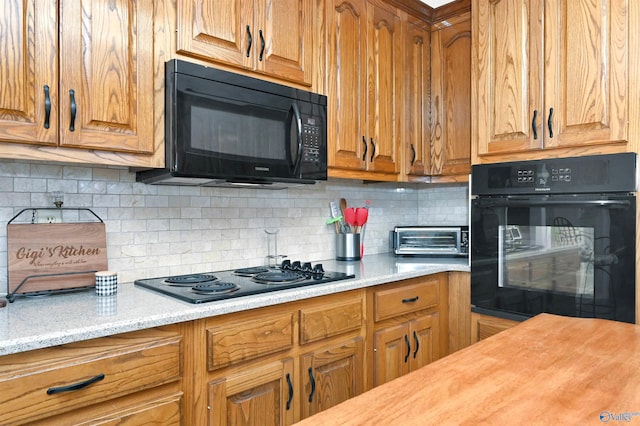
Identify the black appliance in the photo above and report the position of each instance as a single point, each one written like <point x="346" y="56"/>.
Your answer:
<point x="212" y="286"/>
<point x="555" y="235"/>
<point x="224" y="129"/>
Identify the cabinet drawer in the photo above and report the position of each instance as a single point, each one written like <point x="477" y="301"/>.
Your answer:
<point x="251" y="339"/>
<point x="326" y="321"/>
<point x="402" y="300"/>
<point x="79" y="375"/>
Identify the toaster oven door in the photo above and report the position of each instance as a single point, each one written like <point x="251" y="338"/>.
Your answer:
<point x="428" y="241"/>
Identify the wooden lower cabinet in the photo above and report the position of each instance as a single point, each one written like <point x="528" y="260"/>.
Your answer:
<point x="133" y="378"/>
<point x="279" y="364"/>
<point x="331" y="376"/>
<point x="483" y="326"/>
<point x="260" y="395"/>
<point x="269" y="366"/>
<point x="408" y="329"/>
<point x="405" y="347"/>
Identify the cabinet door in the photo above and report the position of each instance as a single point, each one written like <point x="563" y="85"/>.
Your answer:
<point x="483" y="326"/>
<point x="392" y="350"/>
<point x="416" y="147"/>
<point x="106" y="75"/>
<point x="586" y="51"/>
<point x="384" y="50"/>
<point x="508" y="74"/>
<point x="286" y="26"/>
<point x="331" y="376"/>
<point x="424" y="340"/>
<point x="451" y="99"/>
<point x="29" y="68"/>
<point x="219" y="30"/>
<point x="347" y="21"/>
<point x="262" y="395"/>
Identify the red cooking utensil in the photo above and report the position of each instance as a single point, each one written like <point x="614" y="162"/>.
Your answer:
<point x="362" y="214"/>
<point x="350" y="216"/>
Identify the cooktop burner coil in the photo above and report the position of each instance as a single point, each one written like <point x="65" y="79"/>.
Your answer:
<point x="189" y="280"/>
<point x="214" y="287"/>
<point x="250" y="271"/>
<point x="278" y="277"/>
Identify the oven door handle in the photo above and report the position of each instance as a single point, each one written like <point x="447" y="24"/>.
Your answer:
<point x="537" y="203"/>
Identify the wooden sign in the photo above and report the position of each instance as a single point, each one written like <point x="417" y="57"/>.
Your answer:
<point x="45" y="251"/>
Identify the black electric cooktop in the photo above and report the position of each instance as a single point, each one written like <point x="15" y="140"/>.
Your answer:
<point x="221" y="285"/>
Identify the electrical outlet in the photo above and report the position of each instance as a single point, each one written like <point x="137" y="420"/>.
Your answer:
<point x="49" y="216"/>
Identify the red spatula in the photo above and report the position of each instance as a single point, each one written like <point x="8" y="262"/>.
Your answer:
<point x="350" y="217"/>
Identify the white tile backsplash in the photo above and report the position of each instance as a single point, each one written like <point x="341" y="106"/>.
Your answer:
<point x="162" y="230"/>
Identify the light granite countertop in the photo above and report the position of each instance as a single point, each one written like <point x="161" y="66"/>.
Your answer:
<point x="43" y="321"/>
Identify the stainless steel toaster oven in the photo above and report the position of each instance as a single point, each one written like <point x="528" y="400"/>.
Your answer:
<point x="430" y="240"/>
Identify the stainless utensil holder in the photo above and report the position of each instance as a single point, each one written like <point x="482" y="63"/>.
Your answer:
<point x="348" y="247"/>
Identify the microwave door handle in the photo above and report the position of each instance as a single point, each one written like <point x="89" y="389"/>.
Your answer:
<point x="296" y="119"/>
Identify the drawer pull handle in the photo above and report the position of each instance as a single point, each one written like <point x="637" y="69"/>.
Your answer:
<point x="413" y="299"/>
<point x="406" y="339"/>
<point x="313" y="384"/>
<point x="75" y="386"/>
<point x="415" y="337"/>
<point x="290" y="391"/>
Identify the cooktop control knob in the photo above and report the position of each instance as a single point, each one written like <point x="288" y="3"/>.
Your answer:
<point x="296" y="266"/>
<point x="286" y="264"/>
<point x="318" y="271"/>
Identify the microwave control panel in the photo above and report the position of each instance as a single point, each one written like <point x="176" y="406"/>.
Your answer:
<point x="311" y="142"/>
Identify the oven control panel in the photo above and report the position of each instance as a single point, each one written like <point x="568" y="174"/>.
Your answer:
<point x="596" y="173"/>
<point x="542" y="176"/>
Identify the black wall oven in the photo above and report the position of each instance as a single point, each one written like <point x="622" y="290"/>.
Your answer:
<point x="556" y="236"/>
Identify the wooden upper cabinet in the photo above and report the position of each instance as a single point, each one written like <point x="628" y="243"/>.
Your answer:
<point x="451" y="98"/>
<point x="106" y="75"/>
<point x="418" y="71"/>
<point x="28" y="72"/>
<point x="364" y="88"/>
<point x="384" y="51"/>
<point x="347" y="58"/>
<point x="586" y="80"/>
<point x="77" y="74"/>
<point x="550" y="74"/>
<point x="266" y="36"/>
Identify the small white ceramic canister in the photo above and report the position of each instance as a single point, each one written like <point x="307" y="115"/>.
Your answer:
<point x="106" y="283"/>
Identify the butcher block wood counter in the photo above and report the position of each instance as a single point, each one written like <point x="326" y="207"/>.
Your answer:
<point x="546" y="370"/>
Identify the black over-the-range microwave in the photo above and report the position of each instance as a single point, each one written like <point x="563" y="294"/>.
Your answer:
<point x="224" y="129"/>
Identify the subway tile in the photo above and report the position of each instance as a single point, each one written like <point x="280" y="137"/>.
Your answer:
<point x="157" y="230"/>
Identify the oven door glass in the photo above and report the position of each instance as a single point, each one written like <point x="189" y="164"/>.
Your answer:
<point x="568" y="255"/>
